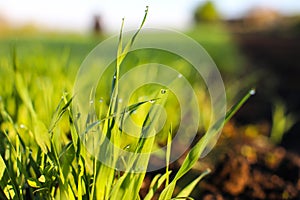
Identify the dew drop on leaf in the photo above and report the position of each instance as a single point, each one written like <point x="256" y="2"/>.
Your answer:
<point x="252" y="92"/>
<point x="163" y="91"/>
<point x="151" y="101"/>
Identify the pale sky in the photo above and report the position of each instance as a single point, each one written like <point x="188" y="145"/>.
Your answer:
<point x="78" y="14"/>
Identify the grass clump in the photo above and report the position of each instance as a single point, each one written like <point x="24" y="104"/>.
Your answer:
<point x="46" y="159"/>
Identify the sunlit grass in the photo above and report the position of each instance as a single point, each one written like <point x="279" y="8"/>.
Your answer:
<point x="42" y="155"/>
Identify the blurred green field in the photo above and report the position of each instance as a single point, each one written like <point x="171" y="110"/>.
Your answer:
<point x="49" y="63"/>
<point x="37" y="74"/>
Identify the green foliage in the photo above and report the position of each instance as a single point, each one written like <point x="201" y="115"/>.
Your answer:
<point x="189" y="188"/>
<point x="282" y="122"/>
<point x="42" y="156"/>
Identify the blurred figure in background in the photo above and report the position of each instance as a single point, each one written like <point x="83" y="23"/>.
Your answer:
<point x="97" y="25"/>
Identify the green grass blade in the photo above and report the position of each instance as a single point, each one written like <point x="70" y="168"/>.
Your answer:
<point x="41" y="135"/>
<point x="40" y="131"/>
<point x="152" y="187"/>
<point x="23" y="92"/>
<point x="34" y="165"/>
<point x="238" y="105"/>
<point x="157" y="181"/>
<point x="123" y="114"/>
<point x="71" y="194"/>
<point x="80" y="187"/>
<point x="66" y="157"/>
<point x="150" y="122"/>
<point x="60" y="110"/>
<point x="104" y="182"/>
<point x="168" y="191"/>
<point x="182" y="198"/>
<point x="189" y="188"/>
<point x="128" y="186"/>
<point x="2" y="167"/>
<point x="11" y="174"/>
<point x="195" y="153"/>
<point x="130" y="43"/>
<point x="168" y="154"/>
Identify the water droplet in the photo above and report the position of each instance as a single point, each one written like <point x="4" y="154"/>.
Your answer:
<point x="127" y="147"/>
<point x="101" y="100"/>
<point x="115" y="77"/>
<point x="120" y="100"/>
<point x="134" y="112"/>
<point x="152" y="101"/>
<point x="252" y="92"/>
<point x="91" y="101"/>
<point x="22" y="126"/>
<point x="163" y="91"/>
<point x="179" y="76"/>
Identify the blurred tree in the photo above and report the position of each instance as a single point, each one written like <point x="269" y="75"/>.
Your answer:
<point x="206" y="13"/>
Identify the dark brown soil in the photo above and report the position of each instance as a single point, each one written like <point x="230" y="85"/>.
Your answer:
<point x="253" y="168"/>
<point x="245" y="165"/>
<point x="274" y="56"/>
